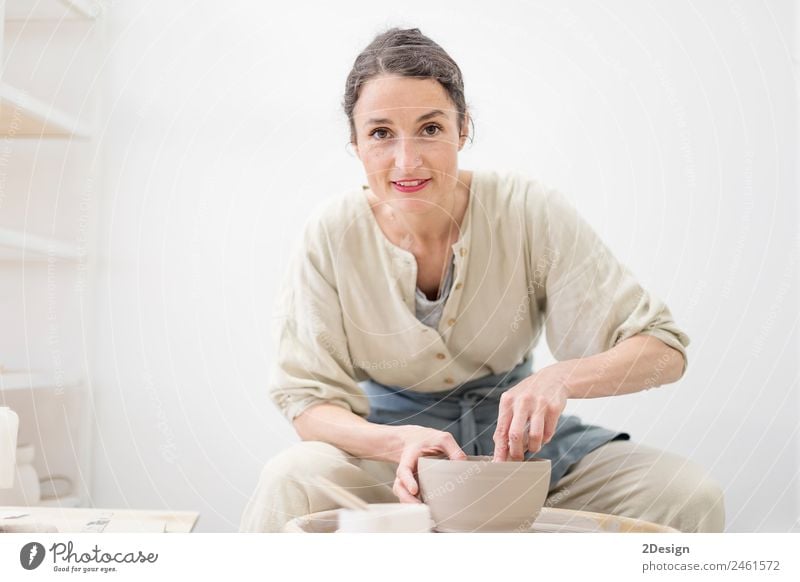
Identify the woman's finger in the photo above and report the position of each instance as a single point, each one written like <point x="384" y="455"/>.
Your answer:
<point x="406" y="468"/>
<point x="518" y="432"/>
<point x="452" y="449"/>
<point x="500" y="438"/>
<point x="550" y="424"/>
<point x="535" y="432"/>
<point x="402" y="492"/>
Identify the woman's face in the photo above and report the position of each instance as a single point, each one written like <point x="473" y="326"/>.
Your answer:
<point x="407" y="129"/>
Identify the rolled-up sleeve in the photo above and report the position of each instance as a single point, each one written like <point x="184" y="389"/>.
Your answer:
<point x="592" y="301"/>
<point x="313" y="364"/>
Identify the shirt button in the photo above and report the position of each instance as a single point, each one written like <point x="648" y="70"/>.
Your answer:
<point x="462" y="252"/>
<point x="451" y="322"/>
<point x="459" y="286"/>
<point x="440" y="356"/>
<point x="449" y="381"/>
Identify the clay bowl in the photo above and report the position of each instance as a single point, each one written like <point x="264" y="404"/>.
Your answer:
<point x="478" y="495"/>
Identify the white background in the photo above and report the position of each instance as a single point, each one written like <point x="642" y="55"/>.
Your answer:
<point x="222" y="127"/>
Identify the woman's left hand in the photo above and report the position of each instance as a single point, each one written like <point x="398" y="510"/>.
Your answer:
<point x="529" y="413"/>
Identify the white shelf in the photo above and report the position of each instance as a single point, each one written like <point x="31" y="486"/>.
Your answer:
<point x="33" y="381"/>
<point x="24" y="116"/>
<point x="24" y="10"/>
<point x="16" y="245"/>
<point x="67" y="501"/>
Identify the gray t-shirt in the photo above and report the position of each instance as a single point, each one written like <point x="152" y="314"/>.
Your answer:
<point x="429" y="311"/>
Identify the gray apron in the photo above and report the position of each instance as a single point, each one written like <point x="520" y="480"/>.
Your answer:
<point x="469" y="413"/>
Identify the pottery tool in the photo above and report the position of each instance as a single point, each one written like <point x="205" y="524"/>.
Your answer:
<point x="341" y="495"/>
<point x="28" y="527"/>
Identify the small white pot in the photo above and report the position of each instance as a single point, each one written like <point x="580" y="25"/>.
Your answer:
<point x="26" y="489"/>
<point x="9" y="425"/>
<point x="386" y="518"/>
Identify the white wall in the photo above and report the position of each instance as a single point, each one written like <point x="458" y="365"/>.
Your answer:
<point x="224" y="128"/>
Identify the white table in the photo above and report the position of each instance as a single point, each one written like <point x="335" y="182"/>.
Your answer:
<point x="97" y="520"/>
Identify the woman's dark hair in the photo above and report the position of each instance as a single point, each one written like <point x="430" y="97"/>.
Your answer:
<point x="406" y="53"/>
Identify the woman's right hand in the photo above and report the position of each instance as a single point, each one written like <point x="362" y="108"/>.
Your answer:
<point x="415" y="442"/>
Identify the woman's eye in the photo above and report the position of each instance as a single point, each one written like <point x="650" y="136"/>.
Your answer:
<point x="381" y="133"/>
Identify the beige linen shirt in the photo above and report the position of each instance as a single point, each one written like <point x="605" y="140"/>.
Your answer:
<point x="525" y="261"/>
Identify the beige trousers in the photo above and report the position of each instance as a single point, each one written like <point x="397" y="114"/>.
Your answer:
<point x="619" y="478"/>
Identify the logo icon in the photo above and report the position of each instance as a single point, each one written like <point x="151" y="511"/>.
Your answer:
<point x="31" y="555"/>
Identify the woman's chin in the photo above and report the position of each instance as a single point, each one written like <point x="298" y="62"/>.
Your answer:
<point x="411" y="204"/>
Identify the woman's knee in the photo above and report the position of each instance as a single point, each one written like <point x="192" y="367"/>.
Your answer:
<point x="700" y="505"/>
<point x="286" y="485"/>
<point x="625" y="478"/>
<point x="682" y="495"/>
<point x="301" y="462"/>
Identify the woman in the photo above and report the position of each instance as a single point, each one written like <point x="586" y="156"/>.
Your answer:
<point x="410" y="312"/>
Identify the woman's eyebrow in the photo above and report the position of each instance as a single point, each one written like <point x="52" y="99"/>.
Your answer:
<point x="386" y="121"/>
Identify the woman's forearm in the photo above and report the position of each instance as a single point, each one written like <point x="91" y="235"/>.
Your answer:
<point x="637" y="363"/>
<point x="348" y="431"/>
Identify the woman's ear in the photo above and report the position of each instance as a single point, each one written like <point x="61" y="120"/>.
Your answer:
<point x="462" y="139"/>
<point x="354" y="148"/>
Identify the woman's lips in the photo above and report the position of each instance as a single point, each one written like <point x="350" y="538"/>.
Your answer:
<point x="409" y="189"/>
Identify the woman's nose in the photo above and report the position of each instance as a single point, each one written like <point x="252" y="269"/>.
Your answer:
<point x="407" y="153"/>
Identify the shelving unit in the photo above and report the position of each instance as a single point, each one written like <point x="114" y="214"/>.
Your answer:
<point x="28" y="380"/>
<point x="27" y="10"/>
<point x="18" y="245"/>
<point x="24" y="116"/>
<point x="42" y="345"/>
